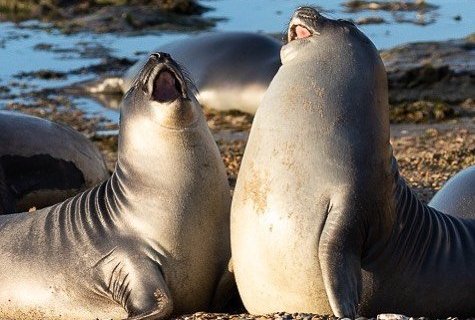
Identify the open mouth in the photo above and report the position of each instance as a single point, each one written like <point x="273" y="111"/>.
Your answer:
<point x="167" y="86"/>
<point x="298" y="31"/>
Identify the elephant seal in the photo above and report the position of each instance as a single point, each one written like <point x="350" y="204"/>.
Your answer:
<point x="44" y="162"/>
<point x="457" y="197"/>
<point x="150" y="241"/>
<point x="232" y="69"/>
<point x="321" y="221"/>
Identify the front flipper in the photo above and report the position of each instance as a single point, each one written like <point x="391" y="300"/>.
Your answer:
<point x="340" y="260"/>
<point x="136" y="282"/>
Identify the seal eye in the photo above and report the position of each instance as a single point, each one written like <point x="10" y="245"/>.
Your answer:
<point x="166" y="88"/>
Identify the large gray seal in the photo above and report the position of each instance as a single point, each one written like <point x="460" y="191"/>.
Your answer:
<point x="457" y="197"/>
<point x="44" y="163"/>
<point x="150" y="241"/>
<point x="232" y="70"/>
<point x="321" y="221"/>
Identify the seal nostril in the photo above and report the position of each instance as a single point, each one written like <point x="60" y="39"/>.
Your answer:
<point x="308" y="12"/>
<point x="161" y="56"/>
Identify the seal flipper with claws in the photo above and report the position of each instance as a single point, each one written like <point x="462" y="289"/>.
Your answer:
<point x="130" y="282"/>
<point x="151" y="241"/>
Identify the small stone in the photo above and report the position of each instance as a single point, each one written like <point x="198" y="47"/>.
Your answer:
<point x="391" y="316"/>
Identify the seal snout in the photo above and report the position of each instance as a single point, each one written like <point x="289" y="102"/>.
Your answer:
<point x="303" y="23"/>
<point x="168" y="83"/>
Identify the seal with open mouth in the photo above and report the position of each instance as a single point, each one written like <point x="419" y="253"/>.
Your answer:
<point x="321" y="221"/>
<point x="44" y="163"/>
<point x="232" y="70"/>
<point x="150" y="241"/>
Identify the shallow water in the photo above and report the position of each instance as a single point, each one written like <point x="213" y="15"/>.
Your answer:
<point x="272" y="16"/>
<point x="26" y="49"/>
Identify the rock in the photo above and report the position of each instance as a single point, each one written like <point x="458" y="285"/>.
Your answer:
<point x="370" y="20"/>
<point x="391" y="316"/>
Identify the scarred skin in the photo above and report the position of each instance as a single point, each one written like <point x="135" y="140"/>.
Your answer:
<point x="321" y="221"/>
<point x="44" y="162"/>
<point x="232" y="70"/>
<point x="149" y="242"/>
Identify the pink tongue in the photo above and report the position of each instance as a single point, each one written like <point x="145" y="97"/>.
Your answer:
<point x="164" y="88"/>
<point x="302" y="32"/>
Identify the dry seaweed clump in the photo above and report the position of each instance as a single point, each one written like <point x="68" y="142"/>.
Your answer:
<point x="421" y="112"/>
<point x="33" y="7"/>
<point x="232" y="153"/>
<point x="179" y="6"/>
<point x="109" y="15"/>
<point x="417" y="5"/>
<point x="427" y="161"/>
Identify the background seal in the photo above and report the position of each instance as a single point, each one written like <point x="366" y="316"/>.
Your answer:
<point x="231" y="70"/>
<point x="44" y="162"/>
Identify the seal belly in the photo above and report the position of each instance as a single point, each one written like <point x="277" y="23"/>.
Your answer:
<point x="43" y="287"/>
<point x="33" y="299"/>
<point x="276" y="223"/>
<point x="269" y="247"/>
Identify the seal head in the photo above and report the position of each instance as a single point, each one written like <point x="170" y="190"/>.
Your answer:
<point x="165" y="92"/>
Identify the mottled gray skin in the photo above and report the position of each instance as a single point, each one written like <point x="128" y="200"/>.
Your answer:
<point x="321" y="221"/>
<point x="232" y="70"/>
<point x="457" y="197"/>
<point x="149" y="242"/>
<point x="27" y="182"/>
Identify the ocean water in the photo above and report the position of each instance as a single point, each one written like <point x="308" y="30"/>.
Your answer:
<point x="22" y="49"/>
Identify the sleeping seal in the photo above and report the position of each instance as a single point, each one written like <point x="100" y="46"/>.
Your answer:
<point x="150" y="241"/>
<point x="321" y="220"/>
<point x="232" y="69"/>
<point x="44" y="162"/>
